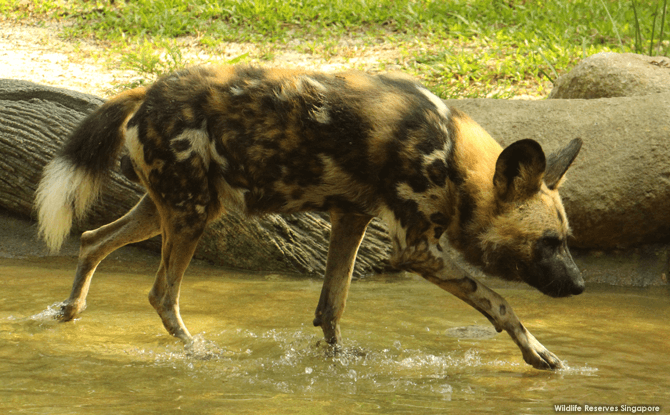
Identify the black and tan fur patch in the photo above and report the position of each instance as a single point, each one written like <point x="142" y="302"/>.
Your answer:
<point x="290" y="141"/>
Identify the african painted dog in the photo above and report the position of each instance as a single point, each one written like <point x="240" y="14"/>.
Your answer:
<point x="207" y="140"/>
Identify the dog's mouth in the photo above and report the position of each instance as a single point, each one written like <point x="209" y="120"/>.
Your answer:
<point x="555" y="276"/>
<point x="558" y="288"/>
<point x="547" y="283"/>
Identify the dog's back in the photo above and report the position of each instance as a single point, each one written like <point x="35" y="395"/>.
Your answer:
<point x="273" y="141"/>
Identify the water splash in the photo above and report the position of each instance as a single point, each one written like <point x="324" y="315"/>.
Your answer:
<point x="299" y="361"/>
<point x="578" y="370"/>
<point x="51" y="313"/>
<point x="199" y="349"/>
<point x="203" y="349"/>
<point x="302" y="362"/>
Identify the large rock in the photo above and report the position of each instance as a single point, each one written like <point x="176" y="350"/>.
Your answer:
<point x="609" y="75"/>
<point x="617" y="194"/>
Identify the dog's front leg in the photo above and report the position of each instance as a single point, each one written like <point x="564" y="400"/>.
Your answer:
<point x="498" y="311"/>
<point x="347" y="231"/>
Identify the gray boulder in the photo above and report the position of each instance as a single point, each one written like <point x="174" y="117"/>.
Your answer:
<point x="609" y="75"/>
<point x="617" y="193"/>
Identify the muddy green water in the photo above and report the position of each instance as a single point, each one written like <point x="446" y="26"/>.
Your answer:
<point x="257" y="352"/>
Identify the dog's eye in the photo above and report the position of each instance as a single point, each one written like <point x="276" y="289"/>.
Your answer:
<point x="552" y="242"/>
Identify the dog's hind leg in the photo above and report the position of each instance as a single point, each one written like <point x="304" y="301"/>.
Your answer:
<point x="181" y="233"/>
<point x="140" y="223"/>
<point x="346" y="235"/>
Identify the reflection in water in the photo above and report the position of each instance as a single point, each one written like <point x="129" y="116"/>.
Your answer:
<point x="409" y="348"/>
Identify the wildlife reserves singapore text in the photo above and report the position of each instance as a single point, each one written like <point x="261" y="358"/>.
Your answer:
<point x="633" y="409"/>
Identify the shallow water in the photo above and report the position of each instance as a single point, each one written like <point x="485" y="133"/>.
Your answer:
<point x="407" y="348"/>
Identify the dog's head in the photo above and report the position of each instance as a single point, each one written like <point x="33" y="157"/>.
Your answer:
<point x="527" y="236"/>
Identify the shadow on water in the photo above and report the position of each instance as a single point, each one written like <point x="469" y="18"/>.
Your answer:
<point x="409" y="347"/>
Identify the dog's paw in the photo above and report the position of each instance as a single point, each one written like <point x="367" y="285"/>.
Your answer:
<point x="540" y="358"/>
<point x="68" y="311"/>
<point x="544" y="360"/>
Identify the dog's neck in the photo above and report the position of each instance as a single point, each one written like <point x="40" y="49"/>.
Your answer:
<point x="474" y="196"/>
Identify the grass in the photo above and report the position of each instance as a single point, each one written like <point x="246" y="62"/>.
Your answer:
<point x="475" y="48"/>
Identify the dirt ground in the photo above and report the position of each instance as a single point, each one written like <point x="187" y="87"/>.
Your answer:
<point x="39" y="54"/>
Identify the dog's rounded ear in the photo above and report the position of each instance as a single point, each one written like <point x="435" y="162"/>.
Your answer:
<point x="559" y="162"/>
<point x="519" y="170"/>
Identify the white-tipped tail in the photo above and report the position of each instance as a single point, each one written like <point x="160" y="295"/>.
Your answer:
<point x="65" y="192"/>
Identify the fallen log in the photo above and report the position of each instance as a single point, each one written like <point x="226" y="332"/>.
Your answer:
<point x="34" y="121"/>
<point x="617" y="193"/>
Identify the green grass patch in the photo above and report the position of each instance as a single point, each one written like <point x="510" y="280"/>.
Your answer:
<point x="474" y="48"/>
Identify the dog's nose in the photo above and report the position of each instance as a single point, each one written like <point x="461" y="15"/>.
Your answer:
<point x="578" y="287"/>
